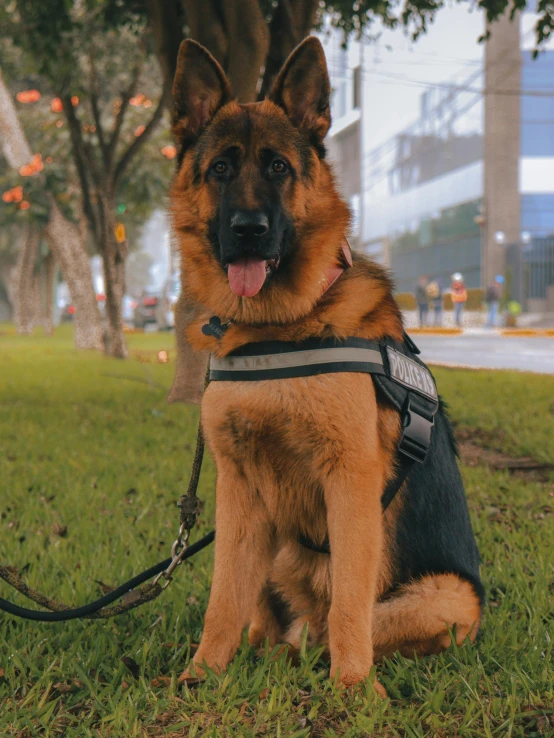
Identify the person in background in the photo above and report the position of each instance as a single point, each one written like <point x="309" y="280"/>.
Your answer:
<point x="492" y="299"/>
<point x="422" y="300"/>
<point x="459" y="297"/>
<point x="434" y="293"/>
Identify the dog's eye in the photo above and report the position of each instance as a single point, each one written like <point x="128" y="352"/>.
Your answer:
<point x="279" y="166"/>
<point x="220" y="167"/>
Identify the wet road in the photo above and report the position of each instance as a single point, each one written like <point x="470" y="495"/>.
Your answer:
<point x="490" y="351"/>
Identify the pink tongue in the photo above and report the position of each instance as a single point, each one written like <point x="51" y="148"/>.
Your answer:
<point x="247" y="276"/>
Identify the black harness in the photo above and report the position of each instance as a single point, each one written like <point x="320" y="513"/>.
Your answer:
<point x="398" y="374"/>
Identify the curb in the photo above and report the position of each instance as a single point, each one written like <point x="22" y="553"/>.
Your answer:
<point x="435" y="331"/>
<point x="527" y="332"/>
<point x="504" y="332"/>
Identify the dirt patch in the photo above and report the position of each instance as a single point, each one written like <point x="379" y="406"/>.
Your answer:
<point x="473" y="453"/>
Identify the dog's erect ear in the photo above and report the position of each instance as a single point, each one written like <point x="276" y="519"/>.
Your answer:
<point x="200" y="88"/>
<point x="302" y="88"/>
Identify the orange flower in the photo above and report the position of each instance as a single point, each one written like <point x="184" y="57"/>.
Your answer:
<point x="137" y="100"/>
<point x="34" y="167"/>
<point x="13" y="195"/>
<point x="36" y="163"/>
<point x="56" y="105"/>
<point x="169" y="151"/>
<point x="28" y="96"/>
<point x="139" y="131"/>
<point x="74" y="101"/>
<point x="17" y="193"/>
<point x="25" y="205"/>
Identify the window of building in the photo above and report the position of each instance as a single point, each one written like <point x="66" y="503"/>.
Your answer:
<point x="537" y="214"/>
<point x="357" y="88"/>
<point x="537" y="105"/>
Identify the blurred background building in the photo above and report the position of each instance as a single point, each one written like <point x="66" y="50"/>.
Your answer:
<point x="445" y="152"/>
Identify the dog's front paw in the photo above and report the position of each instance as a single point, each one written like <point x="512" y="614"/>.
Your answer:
<point x="192" y="675"/>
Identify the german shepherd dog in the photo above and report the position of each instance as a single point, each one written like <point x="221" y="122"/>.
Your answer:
<point x="261" y="229"/>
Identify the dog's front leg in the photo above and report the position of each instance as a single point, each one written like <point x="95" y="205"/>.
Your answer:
<point x="355" y="537"/>
<point x="243" y="549"/>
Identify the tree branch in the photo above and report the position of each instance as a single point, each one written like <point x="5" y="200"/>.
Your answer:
<point x="137" y="144"/>
<point x="15" y="145"/>
<point x="126" y="95"/>
<point x="81" y="159"/>
<point x="94" y="87"/>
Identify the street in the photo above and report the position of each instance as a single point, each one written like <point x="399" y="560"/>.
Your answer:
<point x="484" y="350"/>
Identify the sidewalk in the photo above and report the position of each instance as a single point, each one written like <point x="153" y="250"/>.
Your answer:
<point x="474" y="321"/>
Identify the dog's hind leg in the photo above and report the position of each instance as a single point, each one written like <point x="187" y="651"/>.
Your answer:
<point x="270" y="619"/>
<point x="420" y="616"/>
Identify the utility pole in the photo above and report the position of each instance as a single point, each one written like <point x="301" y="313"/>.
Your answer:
<point x="502" y="101"/>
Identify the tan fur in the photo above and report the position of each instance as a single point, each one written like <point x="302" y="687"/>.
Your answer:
<point x="304" y="455"/>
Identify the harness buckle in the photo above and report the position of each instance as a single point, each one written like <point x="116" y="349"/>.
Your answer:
<point x="416" y="435"/>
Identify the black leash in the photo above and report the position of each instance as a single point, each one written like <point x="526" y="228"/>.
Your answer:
<point x="189" y="505"/>
<point x="93" y="608"/>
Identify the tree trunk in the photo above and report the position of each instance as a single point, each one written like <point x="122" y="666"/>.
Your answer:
<point x="190" y="368"/>
<point x="66" y="241"/>
<point x="113" y="259"/>
<point x="27" y="296"/>
<point x="64" y="237"/>
<point x="50" y="270"/>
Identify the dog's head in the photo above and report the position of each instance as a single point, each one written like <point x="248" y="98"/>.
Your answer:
<point x="254" y="204"/>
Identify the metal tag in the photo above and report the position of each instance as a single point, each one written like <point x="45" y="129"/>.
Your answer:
<point x="409" y="373"/>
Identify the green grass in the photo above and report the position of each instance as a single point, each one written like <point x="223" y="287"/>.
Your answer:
<point x="90" y="444"/>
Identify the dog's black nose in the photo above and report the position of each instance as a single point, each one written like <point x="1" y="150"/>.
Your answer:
<point x="249" y="224"/>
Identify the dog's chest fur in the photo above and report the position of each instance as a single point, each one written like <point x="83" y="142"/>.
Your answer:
<point x="288" y="438"/>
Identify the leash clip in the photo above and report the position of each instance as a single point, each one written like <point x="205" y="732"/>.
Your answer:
<point x="178" y="551"/>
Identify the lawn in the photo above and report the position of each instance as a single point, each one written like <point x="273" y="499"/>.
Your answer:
<point x="92" y="461"/>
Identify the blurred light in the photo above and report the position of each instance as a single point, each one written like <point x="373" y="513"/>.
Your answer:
<point x="526" y="237"/>
<point x="74" y="101"/>
<point x="25" y="205"/>
<point x="500" y="237"/>
<point x="163" y="357"/>
<point x="139" y="131"/>
<point x="49" y="160"/>
<point x="56" y="105"/>
<point x="121" y="208"/>
<point x="59" y="123"/>
<point x="147" y="103"/>
<point x="137" y="100"/>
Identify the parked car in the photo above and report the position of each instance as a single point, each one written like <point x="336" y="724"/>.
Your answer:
<point x="165" y="311"/>
<point x="145" y="311"/>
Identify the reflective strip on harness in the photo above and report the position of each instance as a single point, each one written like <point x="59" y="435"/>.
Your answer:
<point x="298" y="363"/>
